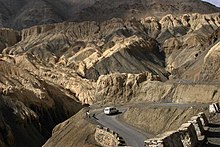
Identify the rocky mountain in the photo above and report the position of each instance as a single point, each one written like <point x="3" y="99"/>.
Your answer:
<point x="49" y="72"/>
<point x="20" y="14"/>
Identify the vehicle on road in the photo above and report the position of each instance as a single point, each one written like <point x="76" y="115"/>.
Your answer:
<point x="110" y="110"/>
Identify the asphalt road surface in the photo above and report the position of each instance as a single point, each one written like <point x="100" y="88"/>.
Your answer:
<point x="132" y="136"/>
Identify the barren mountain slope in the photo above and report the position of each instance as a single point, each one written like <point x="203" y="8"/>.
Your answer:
<point x="30" y="107"/>
<point x="159" y="119"/>
<point x="141" y="8"/>
<point x="25" y="13"/>
<point x="78" y="127"/>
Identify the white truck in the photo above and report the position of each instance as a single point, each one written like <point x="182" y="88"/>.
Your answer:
<point x="110" y="110"/>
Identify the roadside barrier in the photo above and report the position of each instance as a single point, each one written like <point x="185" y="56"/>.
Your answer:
<point x="214" y="108"/>
<point x="190" y="134"/>
<point x="108" y="138"/>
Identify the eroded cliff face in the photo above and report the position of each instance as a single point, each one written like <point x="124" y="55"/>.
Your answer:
<point x="186" y="40"/>
<point x="132" y="55"/>
<point x="136" y="88"/>
<point x="176" y="92"/>
<point x="117" y="88"/>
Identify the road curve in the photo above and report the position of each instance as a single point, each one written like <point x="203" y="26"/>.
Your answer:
<point x="131" y="135"/>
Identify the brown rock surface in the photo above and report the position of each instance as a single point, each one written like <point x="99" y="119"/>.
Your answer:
<point x="176" y="92"/>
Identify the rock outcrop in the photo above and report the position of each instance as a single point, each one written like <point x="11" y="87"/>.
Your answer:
<point x="120" y="88"/>
<point x="131" y="55"/>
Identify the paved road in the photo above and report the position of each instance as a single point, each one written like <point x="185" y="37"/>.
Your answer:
<point x="131" y="135"/>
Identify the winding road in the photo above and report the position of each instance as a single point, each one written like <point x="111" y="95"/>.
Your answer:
<point x="132" y="136"/>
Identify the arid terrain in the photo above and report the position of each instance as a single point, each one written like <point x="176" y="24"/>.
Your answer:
<point x="58" y="57"/>
<point x="21" y="14"/>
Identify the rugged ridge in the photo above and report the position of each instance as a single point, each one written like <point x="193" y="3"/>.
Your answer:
<point x="23" y="14"/>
